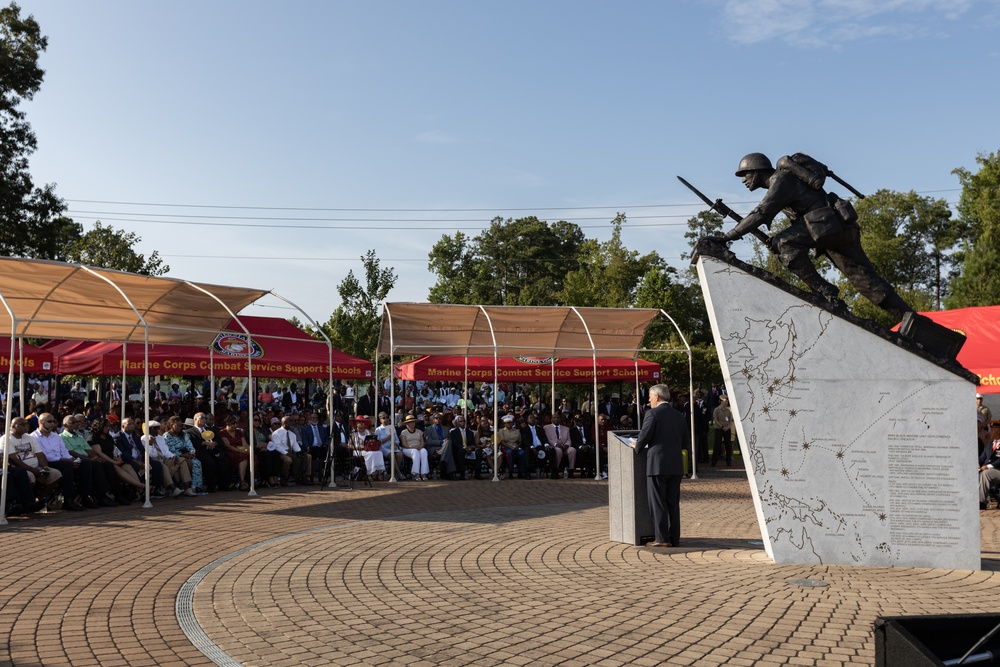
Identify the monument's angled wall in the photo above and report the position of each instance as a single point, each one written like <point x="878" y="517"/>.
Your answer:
<point x="858" y="451"/>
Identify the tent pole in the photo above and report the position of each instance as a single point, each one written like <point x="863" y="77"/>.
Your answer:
<point x="465" y="391"/>
<point x="20" y="373"/>
<point x="496" y="420"/>
<point x="211" y="364"/>
<point x="145" y="344"/>
<point x="121" y="394"/>
<point x="552" y="386"/>
<point x="211" y="376"/>
<point x="7" y="416"/>
<point x="392" y="414"/>
<point x="250" y="396"/>
<point x="597" y="434"/>
<point x="638" y="405"/>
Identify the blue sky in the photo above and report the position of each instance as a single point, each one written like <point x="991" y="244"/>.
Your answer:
<point x="564" y="110"/>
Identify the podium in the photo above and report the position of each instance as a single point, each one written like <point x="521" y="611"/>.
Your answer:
<point x="630" y="522"/>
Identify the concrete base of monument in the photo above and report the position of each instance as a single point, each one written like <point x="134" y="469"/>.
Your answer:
<point x="859" y="449"/>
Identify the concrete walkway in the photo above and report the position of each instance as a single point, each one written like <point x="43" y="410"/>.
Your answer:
<point x="442" y="573"/>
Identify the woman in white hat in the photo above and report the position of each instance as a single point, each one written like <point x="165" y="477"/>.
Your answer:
<point x="412" y="442"/>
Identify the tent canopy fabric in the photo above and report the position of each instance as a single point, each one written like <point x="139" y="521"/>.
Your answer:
<point x="279" y="349"/>
<point x="526" y="369"/>
<point x="508" y="331"/>
<point x="981" y="352"/>
<point x="36" y="360"/>
<point x="61" y="300"/>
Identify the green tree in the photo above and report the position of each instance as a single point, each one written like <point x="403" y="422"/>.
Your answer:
<point x="978" y="283"/>
<point x="112" y="248"/>
<point x="704" y="223"/>
<point x="892" y="236"/>
<point x="519" y="262"/>
<point x="31" y="218"/>
<point x="609" y="273"/>
<point x="354" y="325"/>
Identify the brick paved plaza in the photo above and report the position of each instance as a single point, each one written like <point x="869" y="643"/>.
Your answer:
<point x="442" y="573"/>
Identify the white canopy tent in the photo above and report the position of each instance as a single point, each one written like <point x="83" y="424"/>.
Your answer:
<point x="49" y="299"/>
<point x="505" y="331"/>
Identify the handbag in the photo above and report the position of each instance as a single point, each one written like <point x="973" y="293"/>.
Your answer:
<point x="372" y="444"/>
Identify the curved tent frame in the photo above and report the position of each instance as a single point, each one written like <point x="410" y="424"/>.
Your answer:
<point x="507" y="331"/>
<point x="49" y="299"/>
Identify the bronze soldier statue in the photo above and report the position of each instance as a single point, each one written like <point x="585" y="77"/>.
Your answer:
<point x="819" y="220"/>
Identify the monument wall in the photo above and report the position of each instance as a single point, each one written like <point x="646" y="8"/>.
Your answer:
<point x="858" y="451"/>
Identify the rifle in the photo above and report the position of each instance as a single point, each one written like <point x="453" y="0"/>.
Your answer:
<point x="719" y="207"/>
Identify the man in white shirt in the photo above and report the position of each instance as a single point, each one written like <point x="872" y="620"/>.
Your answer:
<point x="286" y="451"/>
<point x="25" y="452"/>
<point x="59" y="458"/>
<point x="27" y="464"/>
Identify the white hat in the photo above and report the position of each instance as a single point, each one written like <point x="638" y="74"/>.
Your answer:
<point x="507" y="418"/>
<point x="154" y="424"/>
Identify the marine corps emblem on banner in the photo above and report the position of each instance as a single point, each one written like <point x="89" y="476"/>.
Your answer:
<point x="537" y="360"/>
<point x="237" y="345"/>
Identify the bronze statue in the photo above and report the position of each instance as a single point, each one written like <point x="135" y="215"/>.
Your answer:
<point x="819" y="220"/>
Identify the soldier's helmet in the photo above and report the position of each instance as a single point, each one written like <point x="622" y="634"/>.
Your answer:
<point x="753" y="162"/>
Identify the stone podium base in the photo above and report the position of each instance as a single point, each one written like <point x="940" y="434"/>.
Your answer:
<point x="858" y="450"/>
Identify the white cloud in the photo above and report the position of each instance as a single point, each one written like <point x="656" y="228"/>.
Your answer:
<point x="435" y="137"/>
<point x="822" y="23"/>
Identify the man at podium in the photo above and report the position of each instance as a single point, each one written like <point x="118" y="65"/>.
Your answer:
<point x="663" y="437"/>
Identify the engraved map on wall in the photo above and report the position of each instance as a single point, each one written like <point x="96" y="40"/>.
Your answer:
<point x="857" y="451"/>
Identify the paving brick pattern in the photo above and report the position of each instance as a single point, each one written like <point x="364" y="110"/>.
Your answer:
<point x="438" y="573"/>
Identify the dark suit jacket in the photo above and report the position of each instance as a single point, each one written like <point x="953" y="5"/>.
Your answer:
<point x="986" y="457"/>
<point x="324" y="436"/>
<point x="664" y="436"/>
<point x="527" y="442"/>
<point x="124" y="445"/>
<point x="455" y="435"/>
<point x="578" y="439"/>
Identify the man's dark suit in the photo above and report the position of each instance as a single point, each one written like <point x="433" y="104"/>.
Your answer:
<point x="124" y="441"/>
<point x="317" y="448"/>
<point x="548" y="464"/>
<point x="457" y="452"/>
<point x="583" y="440"/>
<point x="663" y="437"/>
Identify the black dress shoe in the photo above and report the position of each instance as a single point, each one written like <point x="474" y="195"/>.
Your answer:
<point x="89" y="502"/>
<point x="71" y="506"/>
<point x="107" y="502"/>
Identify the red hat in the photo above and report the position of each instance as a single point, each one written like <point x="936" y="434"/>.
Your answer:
<point x="113" y="419"/>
